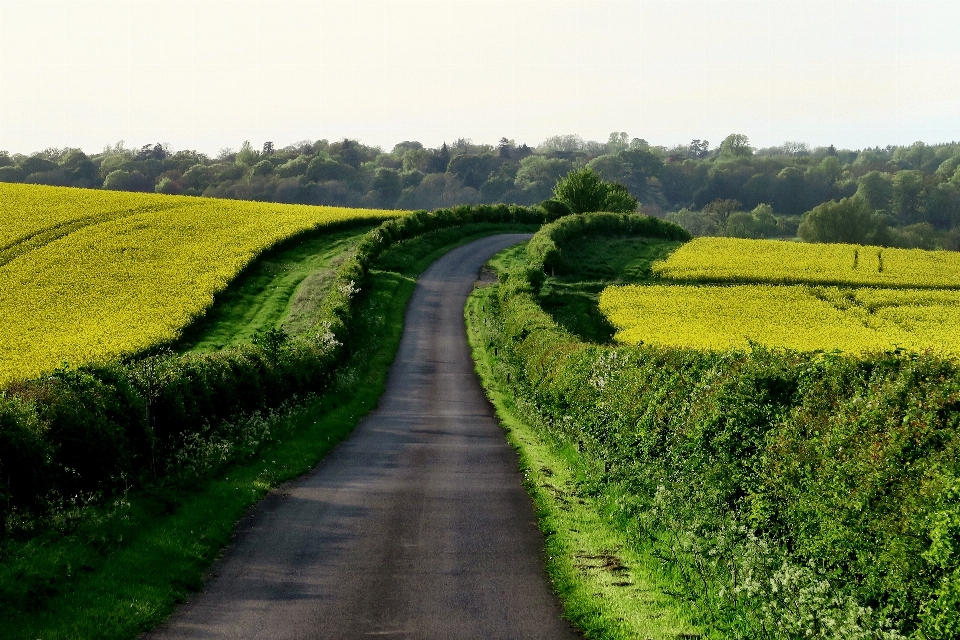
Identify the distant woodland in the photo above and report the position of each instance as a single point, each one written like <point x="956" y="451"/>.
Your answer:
<point x="907" y="196"/>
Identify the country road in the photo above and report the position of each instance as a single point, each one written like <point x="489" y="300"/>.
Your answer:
<point x="417" y="526"/>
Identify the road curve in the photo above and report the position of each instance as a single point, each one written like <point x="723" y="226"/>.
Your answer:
<point x="417" y="526"/>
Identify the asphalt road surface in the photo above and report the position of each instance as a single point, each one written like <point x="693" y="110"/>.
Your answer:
<point x="417" y="526"/>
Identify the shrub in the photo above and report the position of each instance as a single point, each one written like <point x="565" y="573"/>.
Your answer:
<point x="555" y="209"/>
<point x="24" y="457"/>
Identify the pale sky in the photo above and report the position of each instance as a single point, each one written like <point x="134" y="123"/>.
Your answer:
<point x="210" y="74"/>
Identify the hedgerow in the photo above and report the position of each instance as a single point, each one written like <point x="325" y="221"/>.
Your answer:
<point x="794" y="494"/>
<point x="544" y="250"/>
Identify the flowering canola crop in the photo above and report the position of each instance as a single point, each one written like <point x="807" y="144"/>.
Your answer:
<point x="131" y="278"/>
<point x="779" y="262"/>
<point x="806" y="315"/>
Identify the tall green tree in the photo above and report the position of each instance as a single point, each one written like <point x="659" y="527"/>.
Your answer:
<point x="736" y="145"/>
<point x="876" y="188"/>
<point x="850" y="220"/>
<point x="721" y="210"/>
<point x="618" y="141"/>
<point x="584" y="191"/>
<point x="907" y="192"/>
<point x="247" y="154"/>
<point x="386" y="183"/>
<point x="538" y="174"/>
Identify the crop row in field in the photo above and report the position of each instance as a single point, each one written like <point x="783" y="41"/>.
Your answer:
<point x="135" y="277"/>
<point x="798" y="317"/>
<point x="28" y="210"/>
<point x="777" y="262"/>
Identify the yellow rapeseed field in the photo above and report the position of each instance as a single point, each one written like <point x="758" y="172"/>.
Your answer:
<point x="134" y="276"/>
<point x="723" y="317"/>
<point x="783" y="300"/>
<point x="31" y="216"/>
<point x="778" y="262"/>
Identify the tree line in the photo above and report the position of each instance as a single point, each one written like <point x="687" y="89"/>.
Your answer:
<point x="896" y="195"/>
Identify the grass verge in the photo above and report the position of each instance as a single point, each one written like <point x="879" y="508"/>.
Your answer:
<point x="609" y="587"/>
<point x="113" y="572"/>
<point x="286" y="285"/>
<point x="593" y="264"/>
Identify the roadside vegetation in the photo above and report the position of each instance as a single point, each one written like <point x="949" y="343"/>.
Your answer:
<point x="609" y="587"/>
<point x="123" y="480"/>
<point x="284" y="289"/>
<point x="784" y="493"/>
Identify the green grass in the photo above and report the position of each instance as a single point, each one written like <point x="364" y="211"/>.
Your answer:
<point x="591" y="265"/>
<point x="286" y="286"/>
<point x="609" y="588"/>
<point x="115" y="571"/>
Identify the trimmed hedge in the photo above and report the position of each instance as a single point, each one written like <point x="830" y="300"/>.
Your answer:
<point x="794" y="494"/>
<point x="545" y="250"/>
<point x="101" y="428"/>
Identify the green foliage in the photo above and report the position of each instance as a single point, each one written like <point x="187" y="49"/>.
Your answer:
<point x="538" y="174"/>
<point x="912" y="184"/>
<point x="117" y="180"/>
<point x="272" y="340"/>
<point x="262" y="168"/>
<point x="876" y="189"/>
<point x="592" y="564"/>
<point x="759" y="223"/>
<point x="546" y="247"/>
<point x="908" y="190"/>
<point x="584" y="191"/>
<point x="555" y="209"/>
<point x="618" y="199"/>
<point x="736" y="145"/>
<point x="721" y="210"/>
<point x="25" y="459"/>
<point x="247" y="154"/>
<point x="696" y="223"/>
<point x="167" y="186"/>
<point x="851" y="221"/>
<point x="12" y="174"/>
<point x="797" y="495"/>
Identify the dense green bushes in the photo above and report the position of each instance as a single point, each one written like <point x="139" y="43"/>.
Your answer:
<point x="103" y="428"/>
<point x="545" y="249"/>
<point x="583" y="191"/>
<point x="797" y="495"/>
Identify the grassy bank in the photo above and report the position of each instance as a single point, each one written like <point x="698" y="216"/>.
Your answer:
<point x="609" y="589"/>
<point x="570" y="294"/>
<point x="285" y="286"/>
<point x="116" y="570"/>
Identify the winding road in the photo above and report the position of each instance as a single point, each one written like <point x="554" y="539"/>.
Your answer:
<point x="417" y="526"/>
